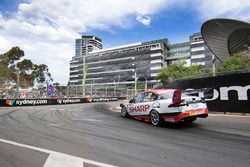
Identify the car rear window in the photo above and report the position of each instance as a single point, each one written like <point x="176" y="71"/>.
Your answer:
<point x="184" y="95"/>
<point x="166" y="95"/>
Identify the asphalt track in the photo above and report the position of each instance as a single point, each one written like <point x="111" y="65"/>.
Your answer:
<point x="93" y="135"/>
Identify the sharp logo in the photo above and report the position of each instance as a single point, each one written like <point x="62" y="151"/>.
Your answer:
<point x="223" y="93"/>
<point x="10" y="102"/>
<point x="141" y="108"/>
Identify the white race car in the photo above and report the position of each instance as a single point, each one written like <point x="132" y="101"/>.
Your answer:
<point x="169" y="105"/>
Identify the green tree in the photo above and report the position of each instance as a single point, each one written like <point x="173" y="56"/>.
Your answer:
<point x="12" y="55"/>
<point x="29" y="72"/>
<point x="7" y="61"/>
<point x="25" y="65"/>
<point x="25" y="68"/>
<point x="236" y="62"/>
<point x="41" y="73"/>
<point x="178" y="70"/>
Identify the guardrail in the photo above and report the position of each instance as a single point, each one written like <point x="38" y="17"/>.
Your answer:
<point x="35" y="102"/>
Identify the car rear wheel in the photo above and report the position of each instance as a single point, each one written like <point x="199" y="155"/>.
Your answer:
<point x="124" y="112"/>
<point x="155" y="118"/>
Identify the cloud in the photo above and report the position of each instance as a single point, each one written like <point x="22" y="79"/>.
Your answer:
<point x="145" y="20"/>
<point x="237" y="9"/>
<point x="5" y="44"/>
<point x="46" y="29"/>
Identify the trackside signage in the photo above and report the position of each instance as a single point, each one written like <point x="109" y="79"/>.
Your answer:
<point x="34" y="102"/>
<point x="23" y="102"/>
<point x="26" y="102"/>
<point x="223" y="93"/>
<point x="103" y="99"/>
<point x="228" y="93"/>
<point x="68" y="101"/>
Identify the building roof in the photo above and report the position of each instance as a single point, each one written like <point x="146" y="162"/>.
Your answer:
<point x="116" y="47"/>
<point x="128" y="46"/>
<point x="92" y="37"/>
<point x="225" y="37"/>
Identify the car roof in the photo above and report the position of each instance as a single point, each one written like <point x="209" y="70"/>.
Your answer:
<point x="159" y="91"/>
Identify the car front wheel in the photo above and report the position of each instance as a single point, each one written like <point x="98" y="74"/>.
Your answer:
<point x="155" y="118"/>
<point x="124" y="112"/>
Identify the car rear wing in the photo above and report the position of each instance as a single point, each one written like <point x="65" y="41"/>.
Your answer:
<point x="178" y="100"/>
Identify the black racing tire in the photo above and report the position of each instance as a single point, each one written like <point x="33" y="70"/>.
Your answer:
<point x="124" y="112"/>
<point x="190" y="119"/>
<point x="155" y="118"/>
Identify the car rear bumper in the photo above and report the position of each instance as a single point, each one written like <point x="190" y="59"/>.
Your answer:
<point x="202" y="113"/>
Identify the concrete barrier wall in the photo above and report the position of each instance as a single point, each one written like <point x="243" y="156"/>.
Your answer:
<point x="228" y="93"/>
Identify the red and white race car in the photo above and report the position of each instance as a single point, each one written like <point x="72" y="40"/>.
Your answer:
<point x="169" y="105"/>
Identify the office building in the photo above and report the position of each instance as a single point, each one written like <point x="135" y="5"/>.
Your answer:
<point x="199" y="51"/>
<point x="83" y="46"/>
<point x="192" y="52"/>
<point x="120" y="65"/>
<point x="87" y="44"/>
<point x="143" y="60"/>
<point x="179" y="52"/>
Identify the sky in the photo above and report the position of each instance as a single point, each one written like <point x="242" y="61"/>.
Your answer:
<point x="46" y="29"/>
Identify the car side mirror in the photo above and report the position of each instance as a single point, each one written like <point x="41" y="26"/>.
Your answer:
<point x="131" y="101"/>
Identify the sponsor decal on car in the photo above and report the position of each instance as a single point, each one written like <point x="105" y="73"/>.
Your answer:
<point x="169" y="119"/>
<point x="196" y="113"/>
<point x="141" y="108"/>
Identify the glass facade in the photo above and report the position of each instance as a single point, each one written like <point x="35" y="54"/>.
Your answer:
<point x="179" y="52"/>
<point x="199" y="51"/>
<point x="78" y="45"/>
<point x="120" y="64"/>
<point x="193" y="52"/>
<point x="145" y="59"/>
<point x="179" y="49"/>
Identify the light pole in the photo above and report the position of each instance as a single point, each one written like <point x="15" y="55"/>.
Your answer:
<point x="91" y="86"/>
<point x="68" y="90"/>
<point x="17" y="81"/>
<point x="114" y="88"/>
<point x="213" y="65"/>
<point x="135" y="81"/>
<point x="85" y="69"/>
<point x="83" y="80"/>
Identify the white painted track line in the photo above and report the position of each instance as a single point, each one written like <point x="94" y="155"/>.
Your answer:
<point x="57" y="159"/>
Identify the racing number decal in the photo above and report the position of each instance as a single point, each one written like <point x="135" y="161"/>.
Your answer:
<point x="141" y="108"/>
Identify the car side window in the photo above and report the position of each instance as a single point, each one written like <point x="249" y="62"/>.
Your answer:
<point x="154" y="97"/>
<point x="146" y="96"/>
<point x="138" y="98"/>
